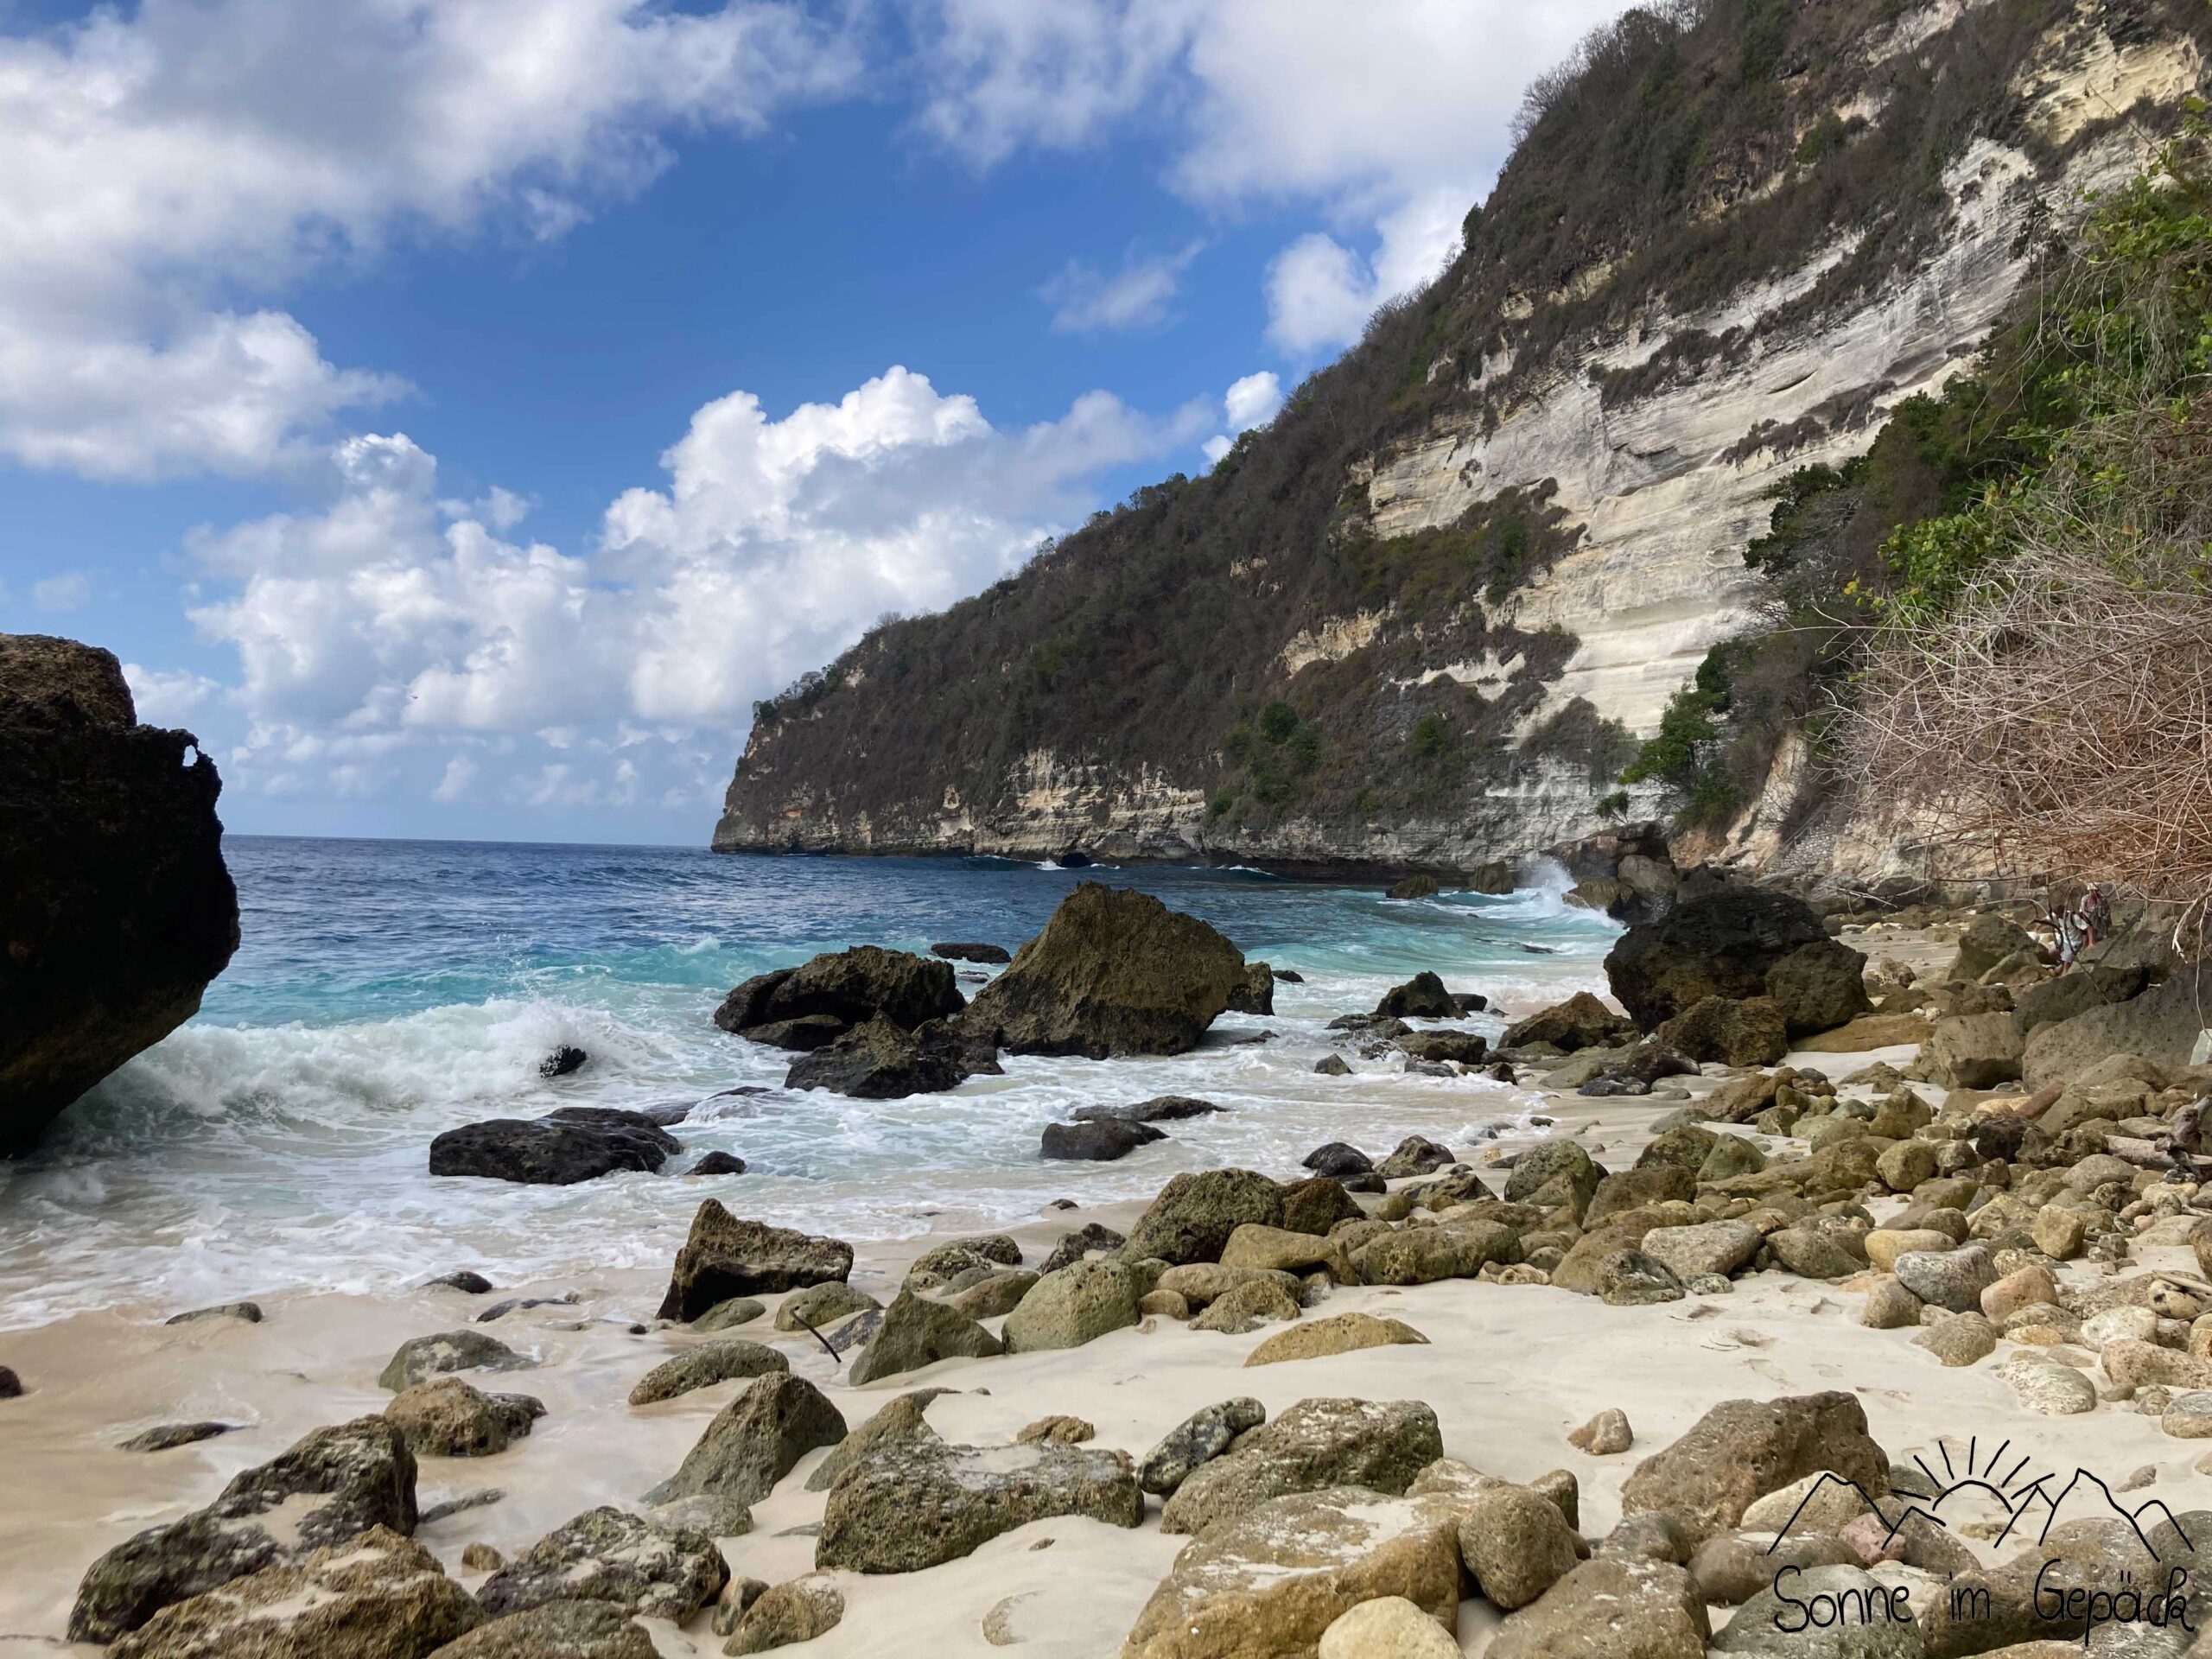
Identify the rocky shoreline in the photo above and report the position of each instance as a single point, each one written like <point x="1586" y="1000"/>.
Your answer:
<point x="1567" y="1391"/>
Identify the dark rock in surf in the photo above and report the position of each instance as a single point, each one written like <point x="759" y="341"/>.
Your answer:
<point x="574" y="1144"/>
<point x="807" y="1007"/>
<point x="1287" y="976"/>
<point x="1422" y="997"/>
<point x="1337" y="1159"/>
<point x="881" y="1061"/>
<point x="726" y="1257"/>
<point x="1114" y="972"/>
<point x="115" y="909"/>
<point x="982" y="953"/>
<point x="562" y="1061"/>
<point x="1412" y="886"/>
<point x="467" y="1283"/>
<point x="1100" y="1140"/>
<point x="167" y="1437"/>
<point x="718" y="1163"/>
<point x="1161" y="1108"/>
<point x="1256" y="993"/>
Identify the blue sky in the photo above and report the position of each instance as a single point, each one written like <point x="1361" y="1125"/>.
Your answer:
<point x="458" y="413"/>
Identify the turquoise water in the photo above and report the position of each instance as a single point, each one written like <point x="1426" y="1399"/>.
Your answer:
<point x="387" y="990"/>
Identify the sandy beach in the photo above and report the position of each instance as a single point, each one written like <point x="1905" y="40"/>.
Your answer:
<point x="1508" y="1370"/>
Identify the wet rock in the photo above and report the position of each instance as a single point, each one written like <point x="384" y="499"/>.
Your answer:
<point x="380" y="1596"/>
<point x="755" y="1441"/>
<point x="729" y="1315"/>
<point x="1074" y="1246"/>
<point x="1194" y="1215"/>
<point x="1415" y="1155"/>
<point x="1198" y="1440"/>
<point x="1582" y="1021"/>
<point x="553" y="1151"/>
<point x="849" y="988"/>
<point x="1114" y="972"/>
<point x="331" y="1486"/>
<point x="988" y="954"/>
<point x="168" y="1436"/>
<point x="1274" y="1578"/>
<point x="1604" y="1435"/>
<point x="725" y="1257"/>
<point x="559" y="1630"/>
<point x="421" y="1357"/>
<point x="1099" y="1141"/>
<point x="1078" y="1304"/>
<point x="911" y="1503"/>
<point x="606" y="1555"/>
<point x="915" y="1332"/>
<point x="718" y="1163"/>
<point x="564" y="1061"/>
<point x="879" y="1060"/>
<point x="1256" y="992"/>
<point x="1610" y="1608"/>
<point x="467" y="1283"/>
<point x="1378" y="1444"/>
<point x="1340" y="1334"/>
<point x="245" y="1312"/>
<point x="1446" y="1048"/>
<point x="446" y="1417"/>
<point x="705" y="1366"/>
<point x="1743" y="1449"/>
<point x="797" y="1612"/>
<point x="119" y="910"/>
<point x="1336" y="1159"/>
<point x="1422" y="997"/>
<point x="1161" y="1109"/>
<point x="1332" y="1065"/>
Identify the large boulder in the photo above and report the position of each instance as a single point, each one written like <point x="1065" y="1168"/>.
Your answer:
<point x="1972" y="1050"/>
<point x="420" y="1358"/>
<point x="115" y="908"/>
<point x="803" y="1006"/>
<point x="1819" y="987"/>
<point x="1741" y="1450"/>
<point x="1114" y="972"/>
<point x="574" y="1144"/>
<point x="2161" y="1024"/>
<point x="447" y="1417"/>
<point x="606" y="1555"/>
<point x="1747" y="1031"/>
<point x="725" y="1257"/>
<point x="378" y="1596"/>
<point x="1987" y="941"/>
<point x="1610" y="1607"/>
<point x="1582" y="1021"/>
<point x="1422" y="997"/>
<point x="878" y="1060"/>
<point x="1272" y="1579"/>
<point x="331" y="1485"/>
<point x="2049" y="1000"/>
<point x="1096" y="1141"/>
<point x="917" y="1331"/>
<point x="1194" y="1215"/>
<point x="911" y="1503"/>
<point x="1379" y="1444"/>
<point x="755" y="1440"/>
<point x="1727" y="943"/>
<point x="1077" y="1304"/>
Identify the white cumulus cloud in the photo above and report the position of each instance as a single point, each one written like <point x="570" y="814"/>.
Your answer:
<point x="165" y="169"/>
<point x="1137" y="295"/>
<point x="397" y="638"/>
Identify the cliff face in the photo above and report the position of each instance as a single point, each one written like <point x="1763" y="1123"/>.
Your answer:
<point x="1420" y="621"/>
<point x="115" y="908"/>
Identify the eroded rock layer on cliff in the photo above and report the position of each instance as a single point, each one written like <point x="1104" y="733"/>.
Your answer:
<point x="1422" y="620"/>
<point x="115" y="908"/>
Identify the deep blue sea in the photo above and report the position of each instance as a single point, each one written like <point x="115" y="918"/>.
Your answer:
<point x="387" y="990"/>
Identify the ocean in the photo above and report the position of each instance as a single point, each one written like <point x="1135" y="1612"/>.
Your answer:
<point x="387" y="990"/>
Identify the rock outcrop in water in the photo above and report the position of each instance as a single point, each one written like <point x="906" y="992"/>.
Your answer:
<point x="115" y="908"/>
